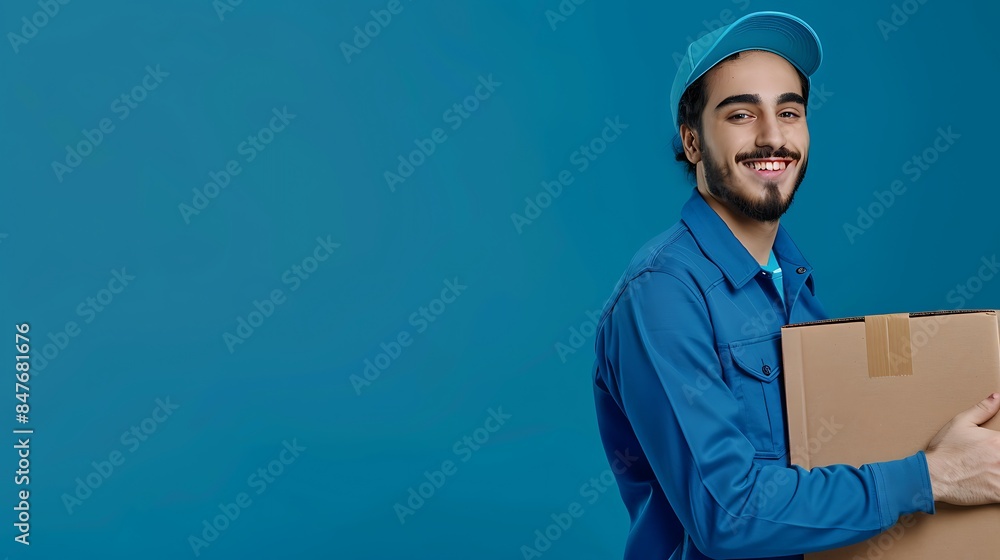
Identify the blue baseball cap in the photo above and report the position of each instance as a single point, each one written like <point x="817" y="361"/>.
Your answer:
<point x="782" y="34"/>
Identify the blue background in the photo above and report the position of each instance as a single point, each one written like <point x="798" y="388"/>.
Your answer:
<point x="494" y="346"/>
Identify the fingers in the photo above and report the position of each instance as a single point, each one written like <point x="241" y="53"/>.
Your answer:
<point x="982" y="411"/>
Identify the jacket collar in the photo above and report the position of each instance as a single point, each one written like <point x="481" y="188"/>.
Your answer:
<point x="722" y="247"/>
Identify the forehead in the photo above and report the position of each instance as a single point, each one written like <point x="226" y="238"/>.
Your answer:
<point x="760" y="72"/>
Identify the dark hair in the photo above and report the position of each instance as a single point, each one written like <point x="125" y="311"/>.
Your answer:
<point x="692" y="105"/>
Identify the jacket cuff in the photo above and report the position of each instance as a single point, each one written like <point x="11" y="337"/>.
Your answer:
<point x="903" y="486"/>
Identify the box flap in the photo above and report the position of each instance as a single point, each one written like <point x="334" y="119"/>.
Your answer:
<point x="912" y="314"/>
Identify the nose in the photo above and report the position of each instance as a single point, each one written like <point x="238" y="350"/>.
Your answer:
<point x="769" y="132"/>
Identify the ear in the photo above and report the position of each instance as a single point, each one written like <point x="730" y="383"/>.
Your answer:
<point x="691" y="143"/>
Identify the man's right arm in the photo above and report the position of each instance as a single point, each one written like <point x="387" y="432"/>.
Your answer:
<point x="667" y="378"/>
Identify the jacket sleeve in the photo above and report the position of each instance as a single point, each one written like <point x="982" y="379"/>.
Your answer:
<point x="667" y="376"/>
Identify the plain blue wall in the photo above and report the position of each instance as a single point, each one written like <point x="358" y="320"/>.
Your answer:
<point x="495" y="345"/>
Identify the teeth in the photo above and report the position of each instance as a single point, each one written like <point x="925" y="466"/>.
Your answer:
<point x="766" y="165"/>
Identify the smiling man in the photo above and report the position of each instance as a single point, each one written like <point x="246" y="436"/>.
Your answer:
<point x="687" y="379"/>
<point x="743" y="128"/>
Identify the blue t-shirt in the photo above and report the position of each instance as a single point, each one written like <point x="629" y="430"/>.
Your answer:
<point x="775" y="270"/>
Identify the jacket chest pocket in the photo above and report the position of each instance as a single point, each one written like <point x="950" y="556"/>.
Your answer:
<point x="752" y="372"/>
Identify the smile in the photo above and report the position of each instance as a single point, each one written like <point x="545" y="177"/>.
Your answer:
<point x="768" y="168"/>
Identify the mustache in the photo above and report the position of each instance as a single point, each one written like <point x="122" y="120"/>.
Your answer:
<point x="764" y="153"/>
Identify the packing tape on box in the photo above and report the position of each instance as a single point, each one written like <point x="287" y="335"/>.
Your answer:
<point x="887" y="338"/>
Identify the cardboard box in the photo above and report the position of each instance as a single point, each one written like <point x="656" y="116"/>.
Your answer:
<point x="877" y="388"/>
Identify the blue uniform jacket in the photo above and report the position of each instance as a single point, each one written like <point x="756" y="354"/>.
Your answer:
<point x="688" y="389"/>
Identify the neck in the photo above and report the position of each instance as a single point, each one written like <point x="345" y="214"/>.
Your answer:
<point x="757" y="237"/>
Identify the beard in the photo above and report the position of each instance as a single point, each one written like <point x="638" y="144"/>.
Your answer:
<point x="718" y="177"/>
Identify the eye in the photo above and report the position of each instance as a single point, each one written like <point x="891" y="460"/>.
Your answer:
<point x="740" y="116"/>
<point x="788" y="115"/>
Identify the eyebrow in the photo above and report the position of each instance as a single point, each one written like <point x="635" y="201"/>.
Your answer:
<point x="754" y="99"/>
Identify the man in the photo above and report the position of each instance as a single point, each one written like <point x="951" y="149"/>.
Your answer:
<point x="687" y="379"/>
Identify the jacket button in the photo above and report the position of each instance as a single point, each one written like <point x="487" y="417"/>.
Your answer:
<point x="801" y="270"/>
<point x="766" y="369"/>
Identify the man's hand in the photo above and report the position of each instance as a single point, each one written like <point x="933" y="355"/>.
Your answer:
<point x="964" y="459"/>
